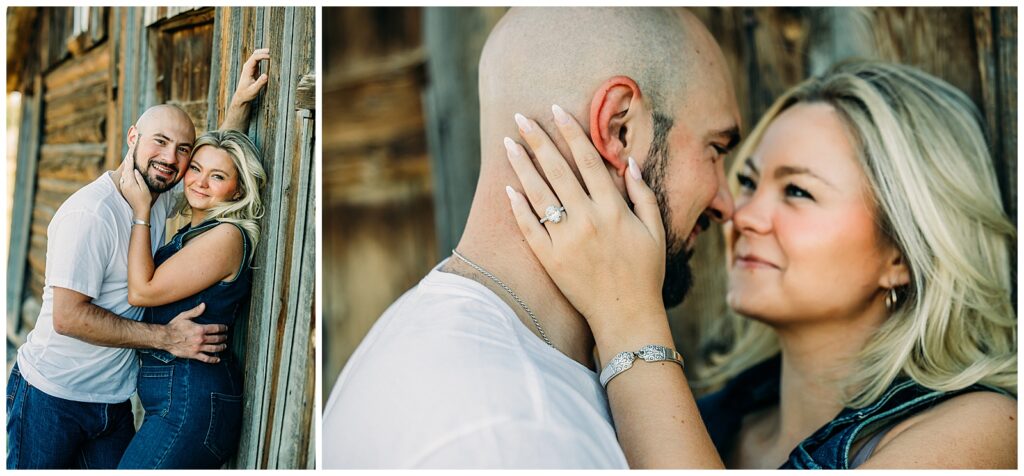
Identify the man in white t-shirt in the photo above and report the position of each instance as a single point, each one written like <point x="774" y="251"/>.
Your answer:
<point x="485" y="364"/>
<point x="68" y="393"/>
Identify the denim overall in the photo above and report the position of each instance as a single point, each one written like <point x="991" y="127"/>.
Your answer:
<point x="193" y="409"/>
<point x="829" y="447"/>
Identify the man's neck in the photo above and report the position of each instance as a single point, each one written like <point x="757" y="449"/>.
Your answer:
<point x="492" y="240"/>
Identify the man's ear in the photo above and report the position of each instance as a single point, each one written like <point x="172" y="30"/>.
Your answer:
<point x="608" y="125"/>
<point x="133" y="136"/>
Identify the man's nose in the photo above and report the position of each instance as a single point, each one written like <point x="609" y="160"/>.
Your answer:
<point x="721" y="208"/>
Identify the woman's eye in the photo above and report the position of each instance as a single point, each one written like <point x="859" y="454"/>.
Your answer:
<point x="218" y="177"/>
<point x="193" y="168"/>
<point x="797" y="192"/>
<point x="746" y="182"/>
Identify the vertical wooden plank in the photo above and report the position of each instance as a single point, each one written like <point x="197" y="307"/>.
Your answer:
<point x="454" y="37"/>
<point x="23" y="200"/>
<point x="1007" y="41"/>
<point x="836" y="34"/>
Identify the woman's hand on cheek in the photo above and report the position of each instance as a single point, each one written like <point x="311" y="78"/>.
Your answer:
<point x="135" y="190"/>
<point x="607" y="260"/>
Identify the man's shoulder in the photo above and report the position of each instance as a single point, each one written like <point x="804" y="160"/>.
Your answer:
<point x="96" y="198"/>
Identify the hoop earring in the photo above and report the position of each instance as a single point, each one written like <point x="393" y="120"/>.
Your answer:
<point x="891" y="300"/>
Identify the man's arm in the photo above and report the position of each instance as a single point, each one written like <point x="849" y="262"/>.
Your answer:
<point x="74" y="315"/>
<point x="249" y="86"/>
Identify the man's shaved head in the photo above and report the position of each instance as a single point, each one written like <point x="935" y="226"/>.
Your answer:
<point x="536" y="57"/>
<point x="167" y="116"/>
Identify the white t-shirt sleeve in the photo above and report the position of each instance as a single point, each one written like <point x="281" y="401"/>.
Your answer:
<point x="80" y="245"/>
<point x="517" y="444"/>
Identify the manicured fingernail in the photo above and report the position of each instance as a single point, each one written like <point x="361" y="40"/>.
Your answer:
<point x="511" y="193"/>
<point x="560" y="116"/>
<point x="633" y="169"/>
<point x="524" y="123"/>
<point x="510" y="146"/>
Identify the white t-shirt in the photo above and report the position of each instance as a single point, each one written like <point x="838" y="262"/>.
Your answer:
<point x="449" y="377"/>
<point x="87" y="252"/>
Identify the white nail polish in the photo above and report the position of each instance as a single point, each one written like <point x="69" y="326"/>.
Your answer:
<point x="510" y="146"/>
<point x="523" y="123"/>
<point x="634" y="170"/>
<point x="560" y="116"/>
<point x="511" y="193"/>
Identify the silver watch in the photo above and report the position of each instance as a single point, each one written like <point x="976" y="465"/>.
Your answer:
<point x="648" y="353"/>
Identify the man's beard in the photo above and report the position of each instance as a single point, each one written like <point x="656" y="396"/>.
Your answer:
<point x="155" y="186"/>
<point x="678" y="277"/>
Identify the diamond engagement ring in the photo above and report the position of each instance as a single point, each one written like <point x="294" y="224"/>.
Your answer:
<point x="553" y="214"/>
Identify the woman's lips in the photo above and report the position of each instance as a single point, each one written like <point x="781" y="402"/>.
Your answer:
<point x="752" y="261"/>
<point x="199" y="194"/>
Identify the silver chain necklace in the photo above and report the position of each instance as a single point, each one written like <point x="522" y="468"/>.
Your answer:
<point x="507" y="289"/>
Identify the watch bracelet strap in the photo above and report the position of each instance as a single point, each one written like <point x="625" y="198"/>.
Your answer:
<point x="650" y="353"/>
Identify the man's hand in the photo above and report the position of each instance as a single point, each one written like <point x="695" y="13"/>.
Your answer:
<point x="189" y="340"/>
<point x="249" y="86"/>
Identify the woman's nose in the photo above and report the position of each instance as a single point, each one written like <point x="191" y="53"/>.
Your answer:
<point x="752" y="215"/>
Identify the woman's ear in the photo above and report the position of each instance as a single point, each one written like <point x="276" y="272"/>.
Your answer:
<point x="896" y="272"/>
<point x="609" y="125"/>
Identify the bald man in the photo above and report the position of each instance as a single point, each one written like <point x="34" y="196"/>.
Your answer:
<point x="484" y="364"/>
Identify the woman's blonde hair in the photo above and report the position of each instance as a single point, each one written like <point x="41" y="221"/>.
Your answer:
<point x="922" y="148"/>
<point x="248" y="208"/>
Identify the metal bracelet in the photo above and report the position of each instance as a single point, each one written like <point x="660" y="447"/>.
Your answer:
<point x="623" y="361"/>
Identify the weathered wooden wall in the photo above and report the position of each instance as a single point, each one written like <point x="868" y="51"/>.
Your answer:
<point x="378" y="237"/>
<point x="768" y="50"/>
<point x="83" y="91"/>
<point x="277" y="342"/>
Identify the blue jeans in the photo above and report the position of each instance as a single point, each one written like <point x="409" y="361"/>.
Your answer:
<point x="193" y="413"/>
<point x="46" y="432"/>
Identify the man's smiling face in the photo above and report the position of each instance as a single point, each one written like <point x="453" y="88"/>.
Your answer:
<point x="161" y="146"/>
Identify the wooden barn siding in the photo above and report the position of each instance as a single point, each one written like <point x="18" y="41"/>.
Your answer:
<point x="73" y="133"/>
<point x="279" y="337"/>
<point x="378" y="237"/>
<point x="278" y="348"/>
<point x="767" y="49"/>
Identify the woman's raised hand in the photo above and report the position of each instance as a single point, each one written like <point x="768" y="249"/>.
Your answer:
<point x="249" y="85"/>
<point x="134" y="189"/>
<point x="607" y="260"/>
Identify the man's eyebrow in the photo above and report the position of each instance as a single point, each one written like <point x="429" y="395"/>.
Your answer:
<point x="168" y="139"/>
<point x="732" y="133"/>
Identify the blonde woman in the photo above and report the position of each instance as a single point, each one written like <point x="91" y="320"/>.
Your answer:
<point x="194" y="407"/>
<point x="869" y="258"/>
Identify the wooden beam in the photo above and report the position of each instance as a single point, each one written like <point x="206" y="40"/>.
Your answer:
<point x="22" y="204"/>
<point x="453" y="38"/>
